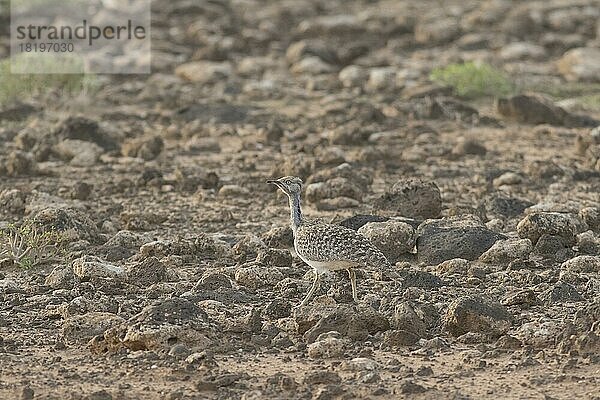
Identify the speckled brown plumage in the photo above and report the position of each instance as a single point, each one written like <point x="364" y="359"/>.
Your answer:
<point x="318" y="241"/>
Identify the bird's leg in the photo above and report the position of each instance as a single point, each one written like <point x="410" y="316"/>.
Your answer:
<point x="312" y="289"/>
<point x="352" y="276"/>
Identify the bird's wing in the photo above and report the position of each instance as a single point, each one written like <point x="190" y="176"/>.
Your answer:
<point x="327" y="242"/>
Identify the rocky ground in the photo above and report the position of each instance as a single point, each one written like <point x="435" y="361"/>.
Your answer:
<point x="178" y="281"/>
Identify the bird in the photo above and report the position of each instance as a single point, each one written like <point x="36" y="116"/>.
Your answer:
<point x="326" y="247"/>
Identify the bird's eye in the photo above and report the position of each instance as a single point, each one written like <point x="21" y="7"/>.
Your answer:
<point x="288" y="182"/>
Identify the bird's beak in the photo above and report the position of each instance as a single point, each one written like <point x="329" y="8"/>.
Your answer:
<point x="274" y="182"/>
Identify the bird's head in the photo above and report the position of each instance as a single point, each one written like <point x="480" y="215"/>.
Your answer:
<point x="290" y="185"/>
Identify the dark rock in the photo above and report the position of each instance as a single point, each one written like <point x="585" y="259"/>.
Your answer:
<point x="321" y="377"/>
<point x="99" y="395"/>
<point x="501" y="205"/>
<point x="445" y="239"/>
<point x="147" y="272"/>
<point x="150" y="175"/>
<point x="16" y="111"/>
<point x="469" y="147"/>
<point x="27" y="393"/>
<point x="223" y="113"/>
<point x="552" y="247"/>
<point x="191" y="181"/>
<point x="277" y="309"/>
<point x="306" y="48"/>
<point x="421" y="279"/>
<point x="399" y="338"/>
<point x="355" y="324"/>
<point x="257" y="276"/>
<point x="478" y="315"/>
<point x="81" y="190"/>
<point x="435" y="31"/>
<point x="409" y="387"/>
<point x="75" y="224"/>
<point x="507" y="342"/>
<point x="248" y="247"/>
<point x="584" y="263"/>
<point x="562" y="292"/>
<point x="60" y="278"/>
<point x="212" y="280"/>
<point x="81" y="128"/>
<point x="536" y="110"/>
<point x="413" y="198"/>
<point x="358" y="221"/>
<point x="355" y="176"/>
<point x="445" y="108"/>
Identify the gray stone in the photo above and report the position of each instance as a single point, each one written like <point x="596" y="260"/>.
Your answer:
<point x="328" y="345"/>
<point x="414" y="198"/>
<point x="20" y="163"/>
<point x="591" y="216"/>
<point x="585" y="263"/>
<point x="562" y="292"/>
<point x="147" y="272"/>
<point x="478" y="315"/>
<point x="74" y="224"/>
<point x="416" y="319"/>
<point x="84" y="129"/>
<point x="333" y="188"/>
<point x="534" y="225"/>
<point x="505" y="251"/>
<point x="437" y="31"/>
<point x="12" y="201"/>
<point x="357" y="221"/>
<point x="255" y="277"/>
<point x="536" y="110"/>
<point x="204" y="71"/>
<point x="279" y="237"/>
<point x="353" y="76"/>
<point x="88" y="267"/>
<point x="158" y="327"/>
<point x="78" y="153"/>
<point x="274" y="258"/>
<point x="399" y="338"/>
<point x="355" y="324"/>
<point x="580" y="65"/>
<point x="212" y="280"/>
<point x="144" y="147"/>
<point x="60" y="278"/>
<point x="455" y="237"/>
<point x="393" y="238"/>
<point x="81" y="328"/>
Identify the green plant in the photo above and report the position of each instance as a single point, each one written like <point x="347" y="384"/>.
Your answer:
<point x="22" y="86"/>
<point x="28" y="245"/>
<point x="474" y="79"/>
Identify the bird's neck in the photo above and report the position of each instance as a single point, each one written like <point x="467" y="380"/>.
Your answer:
<point x="295" y="211"/>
